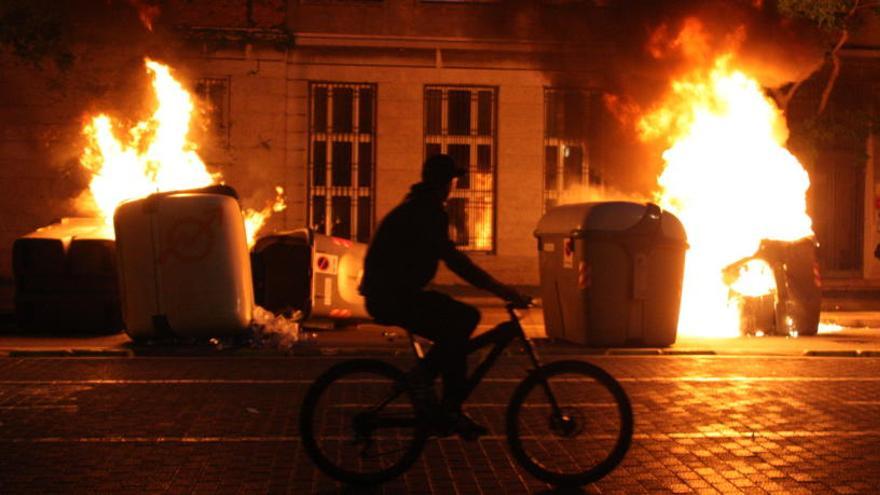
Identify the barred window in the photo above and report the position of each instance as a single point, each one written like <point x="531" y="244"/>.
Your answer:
<point x="566" y="119"/>
<point x="214" y="94"/>
<point x="461" y="121"/>
<point x="342" y="138"/>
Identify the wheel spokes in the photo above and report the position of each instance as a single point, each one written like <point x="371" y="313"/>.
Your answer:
<point x="569" y="425"/>
<point x="364" y="424"/>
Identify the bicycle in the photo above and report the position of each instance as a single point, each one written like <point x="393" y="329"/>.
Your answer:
<point x="568" y="423"/>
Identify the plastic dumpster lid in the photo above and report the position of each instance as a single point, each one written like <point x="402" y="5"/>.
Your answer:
<point x="612" y="216"/>
<point x="74" y="227"/>
<point x="297" y="236"/>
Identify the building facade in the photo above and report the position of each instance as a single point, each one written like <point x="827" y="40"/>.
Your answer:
<point x="340" y="101"/>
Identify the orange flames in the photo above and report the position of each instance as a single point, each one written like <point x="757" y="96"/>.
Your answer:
<point x="254" y="220"/>
<point x="754" y="279"/>
<point x="732" y="182"/>
<point x="156" y="156"/>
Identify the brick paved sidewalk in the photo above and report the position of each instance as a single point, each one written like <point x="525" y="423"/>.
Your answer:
<point x="703" y="425"/>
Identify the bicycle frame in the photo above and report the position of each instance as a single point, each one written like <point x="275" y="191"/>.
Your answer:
<point x="499" y="338"/>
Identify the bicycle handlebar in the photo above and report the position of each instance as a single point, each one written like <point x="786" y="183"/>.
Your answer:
<point x="526" y="304"/>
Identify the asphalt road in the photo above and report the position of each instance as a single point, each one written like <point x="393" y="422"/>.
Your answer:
<point x="704" y="424"/>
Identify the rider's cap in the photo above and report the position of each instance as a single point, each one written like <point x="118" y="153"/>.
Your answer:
<point x="440" y="169"/>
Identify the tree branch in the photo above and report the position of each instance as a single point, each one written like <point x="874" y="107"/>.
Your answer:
<point x="787" y="96"/>
<point x="865" y="6"/>
<point x="835" y="71"/>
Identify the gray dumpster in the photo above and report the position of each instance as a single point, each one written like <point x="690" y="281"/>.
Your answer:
<point x="611" y="273"/>
<point x="798" y="284"/>
<point x="793" y="308"/>
<point x="316" y="274"/>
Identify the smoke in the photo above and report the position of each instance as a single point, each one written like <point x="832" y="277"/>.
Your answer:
<point x="660" y="40"/>
<point x="651" y="44"/>
<point x="148" y="11"/>
<point x="599" y="193"/>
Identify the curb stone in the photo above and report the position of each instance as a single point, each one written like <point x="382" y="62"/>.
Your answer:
<point x="633" y="352"/>
<point x="47" y="353"/>
<point x="311" y="350"/>
<point x="840" y="353"/>
<point x="102" y="352"/>
<point x="54" y="353"/>
<point x="689" y="352"/>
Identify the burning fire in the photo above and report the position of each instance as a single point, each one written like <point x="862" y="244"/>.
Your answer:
<point x="254" y="220"/>
<point x="754" y="279"/>
<point x="731" y="181"/>
<point x="156" y="156"/>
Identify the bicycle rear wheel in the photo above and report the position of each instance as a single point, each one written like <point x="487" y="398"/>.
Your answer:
<point x="358" y="423"/>
<point x="582" y="439"/>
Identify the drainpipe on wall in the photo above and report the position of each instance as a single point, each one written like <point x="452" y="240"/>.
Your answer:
<point x="871" y="263"/>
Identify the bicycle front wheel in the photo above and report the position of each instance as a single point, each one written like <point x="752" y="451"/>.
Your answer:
<point x="359" y="425"/>
<point x="569" y="423"/>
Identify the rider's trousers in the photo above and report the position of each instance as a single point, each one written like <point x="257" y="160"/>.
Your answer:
<point x="445" y="321"/>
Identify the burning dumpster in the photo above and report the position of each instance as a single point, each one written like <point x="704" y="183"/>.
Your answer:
<point x="65" y="278"/>
<point x="779" y="288"/>
<point x="315" y="274"/>
<point x="611" y="273"/>
<point x="183" y="264"/>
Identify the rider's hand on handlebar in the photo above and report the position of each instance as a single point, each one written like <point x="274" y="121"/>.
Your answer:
<point x="520" y="301"/>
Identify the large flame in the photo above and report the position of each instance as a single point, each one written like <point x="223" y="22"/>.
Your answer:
<point x="754" y="279"/>
<point x="730" y="179"/>
<point x="156" y="156"/>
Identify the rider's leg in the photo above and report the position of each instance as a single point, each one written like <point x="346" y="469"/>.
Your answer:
<point x="450" y="350"/>
<point x="449" y="324"/>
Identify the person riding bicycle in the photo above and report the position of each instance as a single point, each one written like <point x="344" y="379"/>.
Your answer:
<point x="402" y="259"/>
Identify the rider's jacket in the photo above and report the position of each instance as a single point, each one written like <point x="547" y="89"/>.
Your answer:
<point x="405" y="251"/>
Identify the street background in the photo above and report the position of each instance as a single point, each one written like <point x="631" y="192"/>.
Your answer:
<point x="746" y="415"/>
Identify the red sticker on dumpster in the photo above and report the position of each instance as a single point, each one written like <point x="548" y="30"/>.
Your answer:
<point x="584" y="279"/>
<point x="323" y="263"/>
<point x="326" y="263"/>
<point x="568" y="253"/>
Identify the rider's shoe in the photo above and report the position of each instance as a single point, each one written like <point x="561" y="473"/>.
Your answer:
<point x="461" y="424"/>
<point x="467" y="428"/>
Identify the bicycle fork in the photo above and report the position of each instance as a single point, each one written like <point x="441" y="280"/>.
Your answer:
<point x="548" y="391"/>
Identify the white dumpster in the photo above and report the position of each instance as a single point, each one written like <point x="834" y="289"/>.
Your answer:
<point x="183" y="265"/>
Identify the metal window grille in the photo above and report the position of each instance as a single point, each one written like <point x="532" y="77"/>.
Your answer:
<point x="342" y="151"/>
<point x="462" y="122"/>
<point x="566" y="119"/>
<point x="214" y="93"/>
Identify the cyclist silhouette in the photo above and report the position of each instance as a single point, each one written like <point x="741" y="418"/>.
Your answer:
<point x="401" y="261"/>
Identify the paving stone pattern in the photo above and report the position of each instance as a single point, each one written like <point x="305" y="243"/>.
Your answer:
<point x="185" y="425"/>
